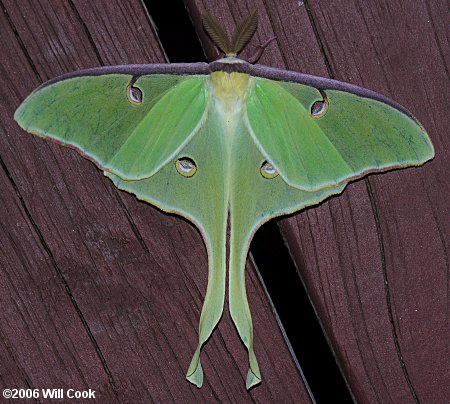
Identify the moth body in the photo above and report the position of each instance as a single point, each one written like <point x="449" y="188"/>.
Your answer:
<point x="228" y="93"/>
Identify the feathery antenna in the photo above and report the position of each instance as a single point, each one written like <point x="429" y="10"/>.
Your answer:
<point x="243" y="33"/>
<point x="216" y="33"/>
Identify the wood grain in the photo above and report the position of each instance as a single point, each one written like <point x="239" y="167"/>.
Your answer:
<point x="375" y="259"/>
<point x="99" y="290"/>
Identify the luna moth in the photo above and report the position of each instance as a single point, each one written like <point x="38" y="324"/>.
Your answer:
<point x="227" y="145"/>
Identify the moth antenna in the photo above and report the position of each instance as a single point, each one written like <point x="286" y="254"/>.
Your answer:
<point x="216" y="33"/>
<point x="244" y="31"/>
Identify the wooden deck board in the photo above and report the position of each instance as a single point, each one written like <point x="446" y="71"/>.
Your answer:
<point x="84" y="265"/>
<point x="390" y="233"/>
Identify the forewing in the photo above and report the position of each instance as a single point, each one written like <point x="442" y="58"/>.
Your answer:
<point x="319" y="139"/>
<point x="129" y="137"/>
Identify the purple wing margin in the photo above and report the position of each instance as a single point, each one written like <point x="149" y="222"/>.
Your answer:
<point x="137" y="70"/>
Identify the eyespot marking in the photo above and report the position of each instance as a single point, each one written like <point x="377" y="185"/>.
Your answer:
<point x="319" y="108"/>
<point x="268" y="171"/>
<point x="186" y="167"/>
<point x="134" y="94"/>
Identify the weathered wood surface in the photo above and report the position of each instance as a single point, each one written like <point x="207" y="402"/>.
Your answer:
<point x="375" y="259"/>
<point x="84" y="266"/>
<point x="99" y="290"/>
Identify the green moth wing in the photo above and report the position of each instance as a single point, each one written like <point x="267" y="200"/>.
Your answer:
<point x="225" y="144"/>
<point x="110" y="115"/>
<point x="350" y="134"/>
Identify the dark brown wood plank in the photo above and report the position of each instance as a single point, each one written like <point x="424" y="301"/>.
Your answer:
<point x="390" y="233"/>
<point x="374" y="260"/>
<point x="100" y="290"/>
